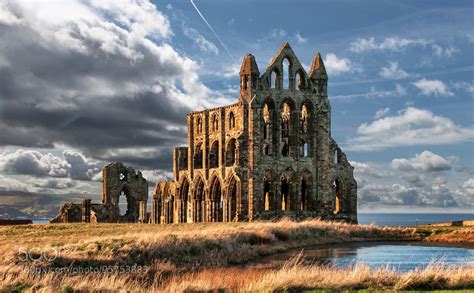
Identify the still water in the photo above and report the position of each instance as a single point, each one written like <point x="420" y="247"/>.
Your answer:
<point x="397" y="255"/>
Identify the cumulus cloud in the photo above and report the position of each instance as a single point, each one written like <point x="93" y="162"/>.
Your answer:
<point x="393" y="71"/>
<point x="382" y="112"/>
<point x="11" y="184"/>
<point x="432" y="87"/>
<point x="34" y="163"/>
<point x="425" y="161"/>
<point x="81" y="168"/>
<point x="390" y="44"/>
<point x="410" y="127"/>
<point x="98" y="77"/>
<point x="336" y="65"/>
<point x="56" y="183"/>
<point x="200" y="41"/>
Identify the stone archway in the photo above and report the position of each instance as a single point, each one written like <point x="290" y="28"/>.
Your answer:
<point x="216" y="201"/>
<point x="198" y="201"/>
<point x="183" y="203"/>
<point x="232" y="199"/>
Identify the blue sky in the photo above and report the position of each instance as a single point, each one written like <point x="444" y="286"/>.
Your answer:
<point x="400" y="85"/>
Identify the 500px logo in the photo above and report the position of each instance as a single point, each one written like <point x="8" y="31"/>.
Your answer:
<point x="43" y="254"/>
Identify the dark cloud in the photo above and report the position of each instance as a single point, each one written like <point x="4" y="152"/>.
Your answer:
<point x="87" y="84"/>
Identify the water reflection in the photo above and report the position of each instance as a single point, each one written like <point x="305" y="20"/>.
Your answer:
<point x="402" y="257"/>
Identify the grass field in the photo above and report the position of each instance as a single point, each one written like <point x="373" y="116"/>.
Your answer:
<point x="206" y="256"/>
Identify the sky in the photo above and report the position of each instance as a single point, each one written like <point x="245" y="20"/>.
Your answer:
<point x="84" y="83"/>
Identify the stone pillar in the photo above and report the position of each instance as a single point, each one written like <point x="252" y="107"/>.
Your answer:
<point x="86" y="210"/>
<point x="142" y="211"/>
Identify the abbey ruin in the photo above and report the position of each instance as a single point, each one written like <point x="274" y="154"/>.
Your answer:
<point x="268" y="155"/>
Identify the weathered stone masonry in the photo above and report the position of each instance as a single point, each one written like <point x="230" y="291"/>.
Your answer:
<point x="270" y="154"/>
<point x="119" y="183"/>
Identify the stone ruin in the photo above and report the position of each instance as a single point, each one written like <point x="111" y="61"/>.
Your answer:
<point x="119" y="184"/>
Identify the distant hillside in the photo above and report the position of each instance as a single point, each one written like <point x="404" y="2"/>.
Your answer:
<point x="35" y="206"/>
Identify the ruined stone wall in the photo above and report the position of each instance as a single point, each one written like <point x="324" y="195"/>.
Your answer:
<point x="270" y="154"/>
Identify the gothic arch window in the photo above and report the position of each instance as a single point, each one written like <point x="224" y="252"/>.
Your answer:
<point x="231" y="120"/>
<point x="285" y="150"/>
<point x="266" y="192"/>
<point x="300" y="80"/>
<point x="199" y="125"/>
<point x="303" y="148"/>
<point x="285" y="194"/>
<point x="198" y="201"/>
<point x="215" y="122"/>
<point x="231" y="152"/>
<point x="286" y="79"/>
<point x="285" y="120"/>
<point x="266" y="149"/>
<point x="304" y="195"/>
<point x="337" y="156"/>
<point x="216" y="202"/>
<point x="337" y="189"/>
<point x="198" y="156"/>
<point x="304" y="119"/>
<point x="214" y="155"/>
<point x="184" y="192"/>
<point x="266" y="121"/>
<point x="274" y="77"/>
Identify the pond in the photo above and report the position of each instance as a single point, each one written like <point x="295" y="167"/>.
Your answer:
<point x="400" y="256"/>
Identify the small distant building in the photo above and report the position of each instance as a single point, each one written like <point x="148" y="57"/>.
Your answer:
<point x="119" y="184"/>
<point x="268" y="155"/>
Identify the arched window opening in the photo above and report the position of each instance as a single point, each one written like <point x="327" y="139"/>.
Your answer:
<point x="245" y="82"/>
<point x="337" y="156"/>
<point x="285" y="195"/>
<point x="198" y="157"/>
<point x="123" y="203"/>
<point x="198" y="202"/>
<point x="170" y="214"/>
<point x="266" y="121"/>
<point x="199" y="125"/>
<point x="285" y="150"/>
<point x="184" y="202"/>
<point x="304" y="119"/>
<point x="231" y="152"/>
<point x="232" y="200"/>
<point x="266" y="192"/>
<point x="285" y="120"/>
<point x="215" y="122"/>
<point x="216" y="202"/>
<point x="286" y="73"/>
<point x="231" y="120"/>
<point x="303" y="148"/>
<point x="304" y="195"/>
<point x="273" y="79"/>
<point x="301" y="84"/>
<point x="266" y="149"/>
<point x="214" y="155"/>
<point x="337" y="197"/>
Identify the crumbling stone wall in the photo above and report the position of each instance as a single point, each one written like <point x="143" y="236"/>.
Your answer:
<point x="120" y="184"/>
<point x="268" y="155"/>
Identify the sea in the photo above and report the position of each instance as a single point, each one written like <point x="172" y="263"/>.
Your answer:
<point x="410" y="219"/>
<point x="392" y="219"/>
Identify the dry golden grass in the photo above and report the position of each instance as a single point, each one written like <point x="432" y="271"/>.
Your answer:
<point x="199" y="255"/>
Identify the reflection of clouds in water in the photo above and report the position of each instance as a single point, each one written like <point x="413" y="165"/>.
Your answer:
<point x="403" y="257"/>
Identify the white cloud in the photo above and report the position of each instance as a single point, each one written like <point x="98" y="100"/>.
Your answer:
<point x="425" y="161"/>
<point x="432" y="87"/>
<point x="34" y="163"/>
<point x="393" y="72"/>
<point x="399" y="89"/>
<point x="411" y="126"/>
<point x="154" y="176"/>
<point x="336" y="65"/>
<point x="300" y="39"/>
<point x="382" y="112"/>
<point x="443" y="52"/>
<point x="11" y="184"/>
<point x="463" y="85"/>
<point x="202" y="43"/>
<point x="391" y="44"/>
